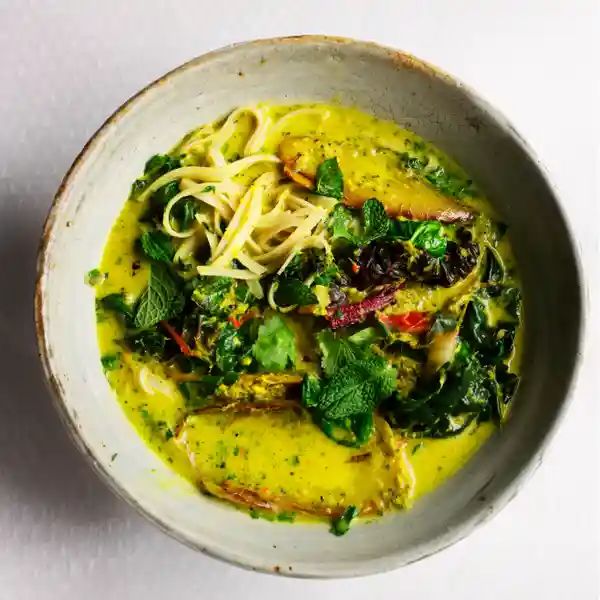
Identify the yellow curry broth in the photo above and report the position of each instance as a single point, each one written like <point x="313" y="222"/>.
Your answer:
<point x="282" y="456"/>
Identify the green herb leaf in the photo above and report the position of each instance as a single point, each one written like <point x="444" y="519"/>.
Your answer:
<point x="111" y="362"/>
<point x="160" y="198"/>
<point x="293" y="291"/>
<point x="157" y="246"/>
<point x="336" y="352"/>
<point x="94" y="277"/>
<point x="329" y="181"/>
<point x="159" y="164"/>
<point x="311" y="390"/>
<point x="211" y="293"/>
<point x="357" y="388"/>
<point x="340" y="525"/>
<point x="149" y="342"/>
<point x="344" y="225"/>
<point x="429" y="237"/>
<point x="117" y="303"/>
<point x="424" y="164"/>
<point x="275" y="347"/>
<point x="375" y="219"/>
<point x="162" y="299"/>
<point x="493" y="267"/>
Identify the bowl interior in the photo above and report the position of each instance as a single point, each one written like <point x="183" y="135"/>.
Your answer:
<point x="389" y="85"/>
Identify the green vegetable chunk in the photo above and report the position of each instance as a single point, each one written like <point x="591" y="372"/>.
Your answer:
<point x="329" y="181"/>
<point x="162" y="299"/>
<point x="275" y="347"/>
<point x="340" y="525"/>
<point x="111" y="362"/>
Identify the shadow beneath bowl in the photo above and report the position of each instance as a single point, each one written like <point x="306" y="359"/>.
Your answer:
<point x="40" y="469"/>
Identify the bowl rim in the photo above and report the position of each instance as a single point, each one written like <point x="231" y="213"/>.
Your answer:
<point x="385" y="563"/>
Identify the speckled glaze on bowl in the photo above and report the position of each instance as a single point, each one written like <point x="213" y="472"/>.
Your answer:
<point x="391" y="85"/>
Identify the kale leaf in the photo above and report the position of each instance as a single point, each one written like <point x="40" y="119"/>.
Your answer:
<point x="212" y="295"/>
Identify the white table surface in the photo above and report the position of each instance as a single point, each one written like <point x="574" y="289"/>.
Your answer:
<point x="65" y="66"/>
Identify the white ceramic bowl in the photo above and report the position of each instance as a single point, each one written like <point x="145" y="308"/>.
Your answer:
<point x="388" y="84"/>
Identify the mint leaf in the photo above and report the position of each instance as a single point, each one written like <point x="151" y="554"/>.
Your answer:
<point x="343" y="404"/>
<point x="275" y="347"/>
<point x="375" y="219"/>
<point x="330" y="181"/>
<point x="162" y="299"/>
<point x="336" y="352"/>
<point x="157" y="246"/>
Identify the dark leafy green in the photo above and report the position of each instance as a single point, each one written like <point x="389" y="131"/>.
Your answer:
<point x="421" y="161"/>
<point x="429" y="236"/>
<point x="150" y="342"/>
<point x="212" y="295"/>
<point x="329" y="180"/>
<point x="294" y="291"/>
<point x="198" y="394"/>
<point x="117" y="303"/>
<point x="233" y="348"/>
<point x="159" y="164"/>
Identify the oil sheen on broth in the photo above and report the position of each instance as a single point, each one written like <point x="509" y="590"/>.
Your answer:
<point x="309" y="312"/>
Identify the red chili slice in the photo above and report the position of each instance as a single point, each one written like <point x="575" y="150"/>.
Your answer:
<point x="176" y="337"/>
<point x="410" y="322"/>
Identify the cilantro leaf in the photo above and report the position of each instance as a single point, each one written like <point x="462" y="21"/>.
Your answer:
<point x="161" y="300"/>
<point x="330" y="181"/>
<point x="343" y="224"/>
<point x="157" y="246"/>
<point x="275" y="347"/>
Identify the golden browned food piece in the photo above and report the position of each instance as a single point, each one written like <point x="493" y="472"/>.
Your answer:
<point x="366" y="175"/>
<point x="271" y="457"/>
